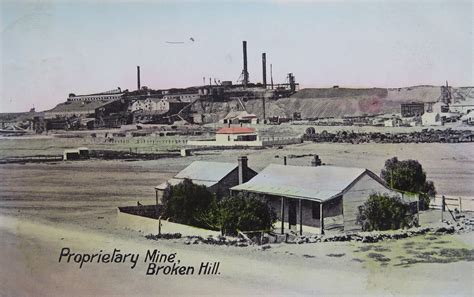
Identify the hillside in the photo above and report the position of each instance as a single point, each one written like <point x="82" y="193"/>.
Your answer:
<point x="334" y="102"/>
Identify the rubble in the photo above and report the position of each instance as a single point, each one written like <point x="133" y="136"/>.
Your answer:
<point x="364" y="237"/>
<point x="423" y="136"/>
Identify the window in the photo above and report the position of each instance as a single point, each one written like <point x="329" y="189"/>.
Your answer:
<point x="315" y="210"/>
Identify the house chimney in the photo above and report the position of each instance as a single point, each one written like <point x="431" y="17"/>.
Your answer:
<point x="243" y="168"/>
<point x="138" y="77"/>
<point x="316" y="161"/>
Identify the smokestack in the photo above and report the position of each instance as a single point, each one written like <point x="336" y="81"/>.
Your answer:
<point x="243" y="169"/>
<point x="138" y="77"/>
<point x="245" y="73"/>
<point x="264" y="70"/>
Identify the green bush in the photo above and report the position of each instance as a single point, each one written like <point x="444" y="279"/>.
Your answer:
<point x="382" y="212"/>
<point x="240" y="212"/>
<point x="194" y="205"/>
<point x="409" y="176"/>
<point x="245" y="213"/>
<point x="186" y="202"/>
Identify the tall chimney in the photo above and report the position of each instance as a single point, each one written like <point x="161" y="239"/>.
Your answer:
<point x="264" y="70"/>
<point x="245" y="73"/>
<point x="138" y="77"/>
<point x="243" y="169"/>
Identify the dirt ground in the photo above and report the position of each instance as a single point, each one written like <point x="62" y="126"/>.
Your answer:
<point x="47" y="206"/>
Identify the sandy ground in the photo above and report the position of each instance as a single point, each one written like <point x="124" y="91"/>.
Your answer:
<point x="45" y="207"/>
<point x="30" y="252"/>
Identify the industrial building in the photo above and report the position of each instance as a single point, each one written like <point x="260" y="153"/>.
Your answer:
<point x="218" y="177"/>
<point x="157" y="105"/>
<point x="412" y="109"/>
<point x="107" y="95"/>
<point x="313" y="199"/>
<point x="238" y="117"/>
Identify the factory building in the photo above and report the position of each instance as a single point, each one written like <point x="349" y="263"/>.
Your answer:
<point x="314" y="199"/>
<point x="108" y="95"/>
<point x="85" y="109"/>
<point x="218" y="177"/>
<point x="158" y="105"/>
<point x="183" y="97"/>
<point x="237" y="117"/>
<point x="412" y="109"/>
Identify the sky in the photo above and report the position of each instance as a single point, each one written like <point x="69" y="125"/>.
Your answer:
<point x="52" y="48"/>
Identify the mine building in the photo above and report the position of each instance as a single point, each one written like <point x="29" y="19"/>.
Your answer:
<point x="108" y="95"/>
<point x="412" y="109"/>
<point x="183" y="97"/>
<point x="237" y="117"/>
<point x="158" y="105"/>
<point x="316" y="198"/>
<point x="218" y="177"/>
<point x="85" y="108"/>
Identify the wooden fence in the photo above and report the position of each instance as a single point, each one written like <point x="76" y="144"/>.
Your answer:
<point x="460" y="203"/>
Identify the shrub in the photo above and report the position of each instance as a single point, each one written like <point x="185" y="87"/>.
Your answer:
<point x="409" y="176"/>
<point x="246" y="213"/>
<point x="194" y="205"/>
<point x="240" y="212"/>
<point x="382" y="212"/>
<point x="186" y="203"/>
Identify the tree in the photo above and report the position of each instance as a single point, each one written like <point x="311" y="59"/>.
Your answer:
<point x="382" y="212"/>
<point x="186" y="202"/>
<point x="408" y="176"/>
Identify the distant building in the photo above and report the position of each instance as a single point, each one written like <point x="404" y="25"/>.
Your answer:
<point x="85" y="109"/>
<point x="431" y="119"/>
<point x="237" y="117"/>
<point x="158" y="105"/>
<point x="232" y="136"/>
<point x="412" y="109"/>
<point x="218" y="177"/>
<point x="185" y="97"/>
<point x="462" y="107"/>
<point x="392" y="122"/>
<point x="313" y="199"/>
<point x="108" y="95"/>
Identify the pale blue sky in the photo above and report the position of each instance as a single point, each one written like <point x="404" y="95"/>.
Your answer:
<point x="52" y="48"/>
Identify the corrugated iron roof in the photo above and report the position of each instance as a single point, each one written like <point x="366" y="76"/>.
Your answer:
<point x="202" y="173"/>
<point x="313" y="183"/>
<point x="235" y="130"/>
<point x="206" y="171"/>
<point x="176" y="181"/>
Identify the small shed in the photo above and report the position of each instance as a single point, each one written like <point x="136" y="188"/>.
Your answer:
<point x="71" y="154"/>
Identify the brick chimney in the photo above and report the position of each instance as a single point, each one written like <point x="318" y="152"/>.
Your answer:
<point x="243" y="169"/>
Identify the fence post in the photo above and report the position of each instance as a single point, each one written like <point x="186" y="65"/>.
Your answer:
<point x="442" y="207"/>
